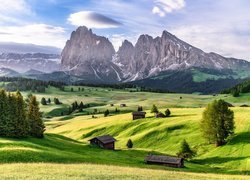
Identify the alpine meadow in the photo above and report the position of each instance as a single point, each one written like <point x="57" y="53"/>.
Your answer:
<point x="116" y="89"/>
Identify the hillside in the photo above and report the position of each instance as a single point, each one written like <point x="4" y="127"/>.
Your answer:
<point x="66" y="139"/>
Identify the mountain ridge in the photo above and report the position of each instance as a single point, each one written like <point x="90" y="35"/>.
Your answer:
<point x="148" y="57"/>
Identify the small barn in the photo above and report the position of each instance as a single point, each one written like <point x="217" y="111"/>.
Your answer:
<point x="159" y="115"/>
<point x="165" y="160"/>
<point x="123" y="105"/>
<point x="105" y="142"/>
<point x="138" y="115"/>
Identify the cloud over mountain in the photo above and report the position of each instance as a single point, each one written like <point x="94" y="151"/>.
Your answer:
<point x="92" y="20"/>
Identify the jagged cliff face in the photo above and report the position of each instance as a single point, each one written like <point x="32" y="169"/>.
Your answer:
<point x="92" y="56"/>
<point x="150" y="56"/>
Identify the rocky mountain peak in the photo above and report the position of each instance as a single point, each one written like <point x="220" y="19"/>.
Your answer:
<point x="94" y="56"/>
<point x="87" y="54"/>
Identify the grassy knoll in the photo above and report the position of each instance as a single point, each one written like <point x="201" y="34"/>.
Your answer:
<point x="93" y="171"/>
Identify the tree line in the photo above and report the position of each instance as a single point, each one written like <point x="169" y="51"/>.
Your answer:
<point x="243" y="87"/>
<point x="22" y="84"/>
<point x="20" y="118"/>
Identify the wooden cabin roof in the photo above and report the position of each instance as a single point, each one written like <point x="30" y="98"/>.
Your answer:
<point x="105" y="139"/>
<point x="139" y="113"/>
<point x="163" y="159"/>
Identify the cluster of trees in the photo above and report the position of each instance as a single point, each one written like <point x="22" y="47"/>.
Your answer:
<point x="79" y="89"/>
<point x="46" y="102"/>
<point x="240" y="88"/>
<point x="217" y="122"/>
<point x="18" y="117"/>
<point x="124" y="86"/>
<point x="75" y="106"/>
<point x="23" y="84"/>
<point x="155" y="110"/>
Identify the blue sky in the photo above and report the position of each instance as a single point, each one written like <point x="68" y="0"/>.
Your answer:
<point x="220" y="26"/>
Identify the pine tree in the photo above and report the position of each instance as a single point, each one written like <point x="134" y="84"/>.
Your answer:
<point x="11" y="116"/>
<point x="3" y="112"/>
<point x="21" y="123"/>
<point x="106" y="113"/>
<point x="34" y="115"/>
<point x="217" y="122"/>
<point x="186" y="152"/>
<point x="154" y="109"/>
<point x="129" y="144"/>
<point x="139" y="108"/>
<point x="81" y="105"/>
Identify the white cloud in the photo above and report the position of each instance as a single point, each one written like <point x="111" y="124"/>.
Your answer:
<point x="40" y="34"/>
<point x="11" y="11"/>
<point x="162" y="7"/>
<point x="92" y="20"/>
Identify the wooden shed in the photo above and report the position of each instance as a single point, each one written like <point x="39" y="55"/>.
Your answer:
<point x="165" y="160"/>
<point x="138" y="115"/>
<point x="159" y="115"/>
<point x="105" y="142"/>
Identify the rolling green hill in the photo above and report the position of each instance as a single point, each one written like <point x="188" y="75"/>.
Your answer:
<point x="66" y="140"/>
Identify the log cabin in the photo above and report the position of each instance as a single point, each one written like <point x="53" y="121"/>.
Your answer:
<point x="105" y="142"/>
<point x="138" y="115"/>
<point x="165" y="160"/>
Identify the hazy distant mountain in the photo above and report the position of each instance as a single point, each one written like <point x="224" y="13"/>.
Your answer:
<point x="19" y="48"/>
<point x="24" y="62"/>
<point x="93" y="57"/>
<point x="8" y="72"/>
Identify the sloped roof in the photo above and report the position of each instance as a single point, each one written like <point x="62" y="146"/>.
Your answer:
<point x="163" y="159"/>
<point x="105" y="139"/>
<point x="139" y="113"/>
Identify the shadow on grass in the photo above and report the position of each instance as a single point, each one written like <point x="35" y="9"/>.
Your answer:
<point x="240" y="138"/>
<point x="183" y="115"/>
<point x="217" y="160"/>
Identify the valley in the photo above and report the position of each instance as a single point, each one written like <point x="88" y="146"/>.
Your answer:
<point x="66" y="138"/>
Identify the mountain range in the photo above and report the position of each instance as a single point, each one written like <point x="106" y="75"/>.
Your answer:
<point x="164" y="62"/>
<point x="94" y="59"/>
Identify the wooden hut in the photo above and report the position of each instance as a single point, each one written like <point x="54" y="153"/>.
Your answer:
<point x="165" y="160"/>
<point x="105" y="142"/>
<point x="138" y="115"/>
<point x="159" y="115"/>
<point x="123" y="105"/>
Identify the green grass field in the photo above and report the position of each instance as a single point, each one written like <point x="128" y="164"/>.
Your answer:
<point x="66" y="152"/>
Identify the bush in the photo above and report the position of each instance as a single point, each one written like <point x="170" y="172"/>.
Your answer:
<point x="167" y="113"/>
<point x="129" y="144"/>
<point x="43" y="101"/>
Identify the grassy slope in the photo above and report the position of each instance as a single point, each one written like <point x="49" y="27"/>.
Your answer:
<point x="164" y="136"/>
<point x="91" y="171"/>
<point x="66" y="140"/>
